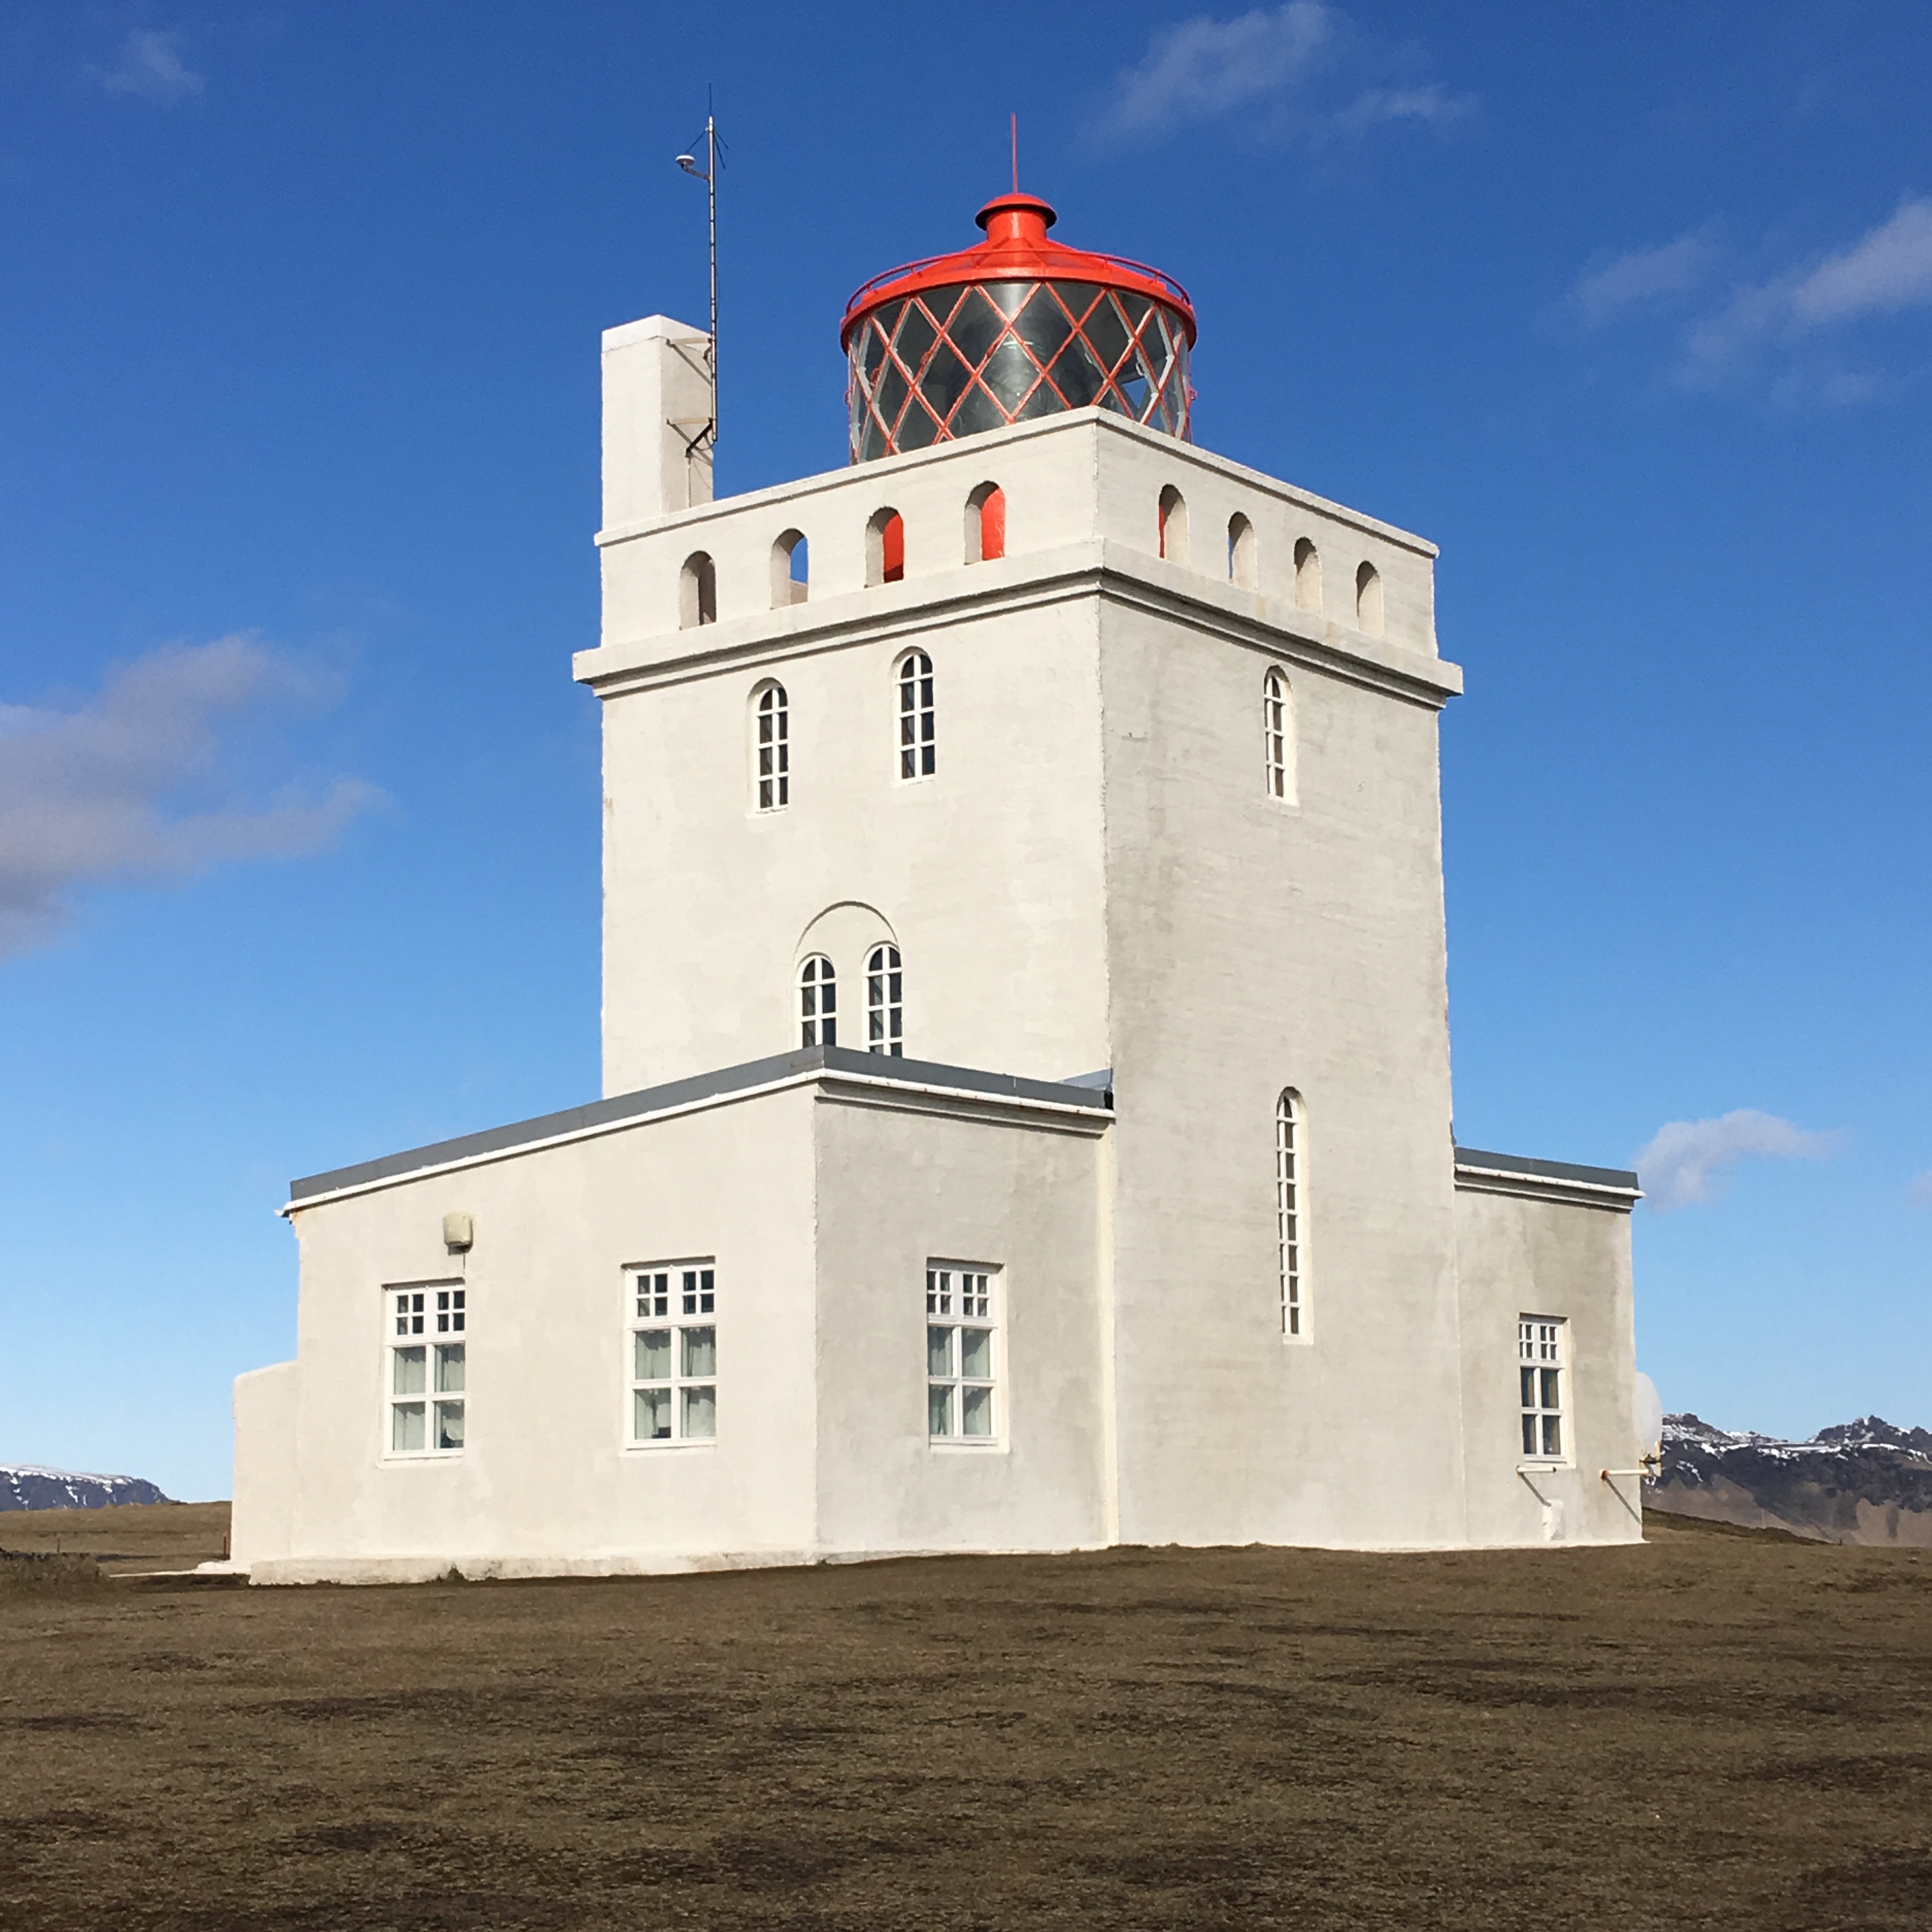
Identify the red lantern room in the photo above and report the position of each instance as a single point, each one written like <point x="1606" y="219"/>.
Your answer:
<point x="1016" y="328"/>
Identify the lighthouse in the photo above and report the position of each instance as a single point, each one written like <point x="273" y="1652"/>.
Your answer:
<point x="1025" y="1120"/>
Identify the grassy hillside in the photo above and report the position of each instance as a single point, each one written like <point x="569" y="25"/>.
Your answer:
<point x="1720" y="1729"/>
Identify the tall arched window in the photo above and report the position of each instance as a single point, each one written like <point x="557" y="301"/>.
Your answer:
<point x="817" y="1002"/>
<point x="986" y="523"/>
<point x="1369" y="600"/>
<point x="885" y="1002"/>
<point x="791" y="569"/>
<point x="1278" y="736"/>
<point x="1307" y="576"/>
<point x="1173" y="530"/>
<point x="885" y="547"/>
<point x="698" y="591"/>
<point x="1243" y="572"/>
<point x="771" y="747"/>
<point x="1290" y="1208"/>
<point x="918" y="749"/>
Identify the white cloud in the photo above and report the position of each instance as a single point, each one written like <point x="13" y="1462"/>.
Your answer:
<point x="1643" y="277"/>
<point x="1887" y="270"/>
<point x="1687" y="1163"/>
<point x="1262" y="64"/>
<point x="150" y="68"/>
<point x="128" y="786"/>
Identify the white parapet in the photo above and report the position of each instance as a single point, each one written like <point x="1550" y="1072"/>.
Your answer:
<point x="657" y="420"/>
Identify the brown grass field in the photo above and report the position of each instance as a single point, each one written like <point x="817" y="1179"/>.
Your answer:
<point x="1720" y="1729"/>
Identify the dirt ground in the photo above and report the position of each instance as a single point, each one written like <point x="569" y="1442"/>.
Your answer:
<point x="1720" y="1729"/>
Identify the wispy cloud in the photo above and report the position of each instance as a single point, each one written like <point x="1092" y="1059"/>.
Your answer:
<point x="131" y="785"/>
<point x="149" y="67"/>
<point x="1283" y="71"/>
<point x="1789" y="330"/>
<point x="1919" y="1194"/>
<point x="1687" y="1162"/>
<point x="1644" y="277"/>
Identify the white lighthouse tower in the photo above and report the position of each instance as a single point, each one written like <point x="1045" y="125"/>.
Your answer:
<point x="1026" y="1114"/>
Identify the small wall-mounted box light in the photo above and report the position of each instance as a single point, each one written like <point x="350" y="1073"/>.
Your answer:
<point x="459" y="1232"/>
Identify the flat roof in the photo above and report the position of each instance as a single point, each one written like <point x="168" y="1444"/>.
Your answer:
<point x="1479" y="1161"/>
<point x="1090" y="1090"/>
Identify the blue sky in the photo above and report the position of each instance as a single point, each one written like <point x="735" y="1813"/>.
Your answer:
<point x="1628" y="308"/>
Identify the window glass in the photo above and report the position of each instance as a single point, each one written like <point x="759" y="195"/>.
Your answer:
<point x="918" y="737"/>
<point x="1540" y="1380"/>
<point x="817" y="1002"/>
<point x="961" y="1352"/>
<point x="673" y="1396"/>
<point x="885" y="1001"/>
<point x="1290" y="1208"/>
<point x="427" y="1374"/>
<point x="1042" y="326"/>
<point x="975" y="325"/>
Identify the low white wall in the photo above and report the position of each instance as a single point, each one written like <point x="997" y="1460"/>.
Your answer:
<point x="263" y="1514"/>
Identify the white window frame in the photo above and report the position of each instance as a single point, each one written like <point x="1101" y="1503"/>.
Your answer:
<point x="962" y="1301"/>
<point x="816" y="985"/>
<point x="425" y="1369"/>
<point x="1290" y="1212"/>
<point x="771" y="747"/>
<point x="1278" y="778"/>
<point x="918" y="718"/>
<point x="1542" y="1353"/>
<point x="885" y="1000"/>
<point x="678" y="1300"/>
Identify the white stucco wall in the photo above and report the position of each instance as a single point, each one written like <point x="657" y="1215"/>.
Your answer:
<point x="1517" y="1256"/>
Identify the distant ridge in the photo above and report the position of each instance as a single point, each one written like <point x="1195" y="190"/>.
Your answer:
<point x="1865" y="1482"/>
<point x="23" y="1486"/>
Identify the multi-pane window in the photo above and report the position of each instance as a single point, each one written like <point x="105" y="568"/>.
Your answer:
<point x="1277" y="750"/>
<point x="1290" y="1163"/>
<point x="428" y="1328"/>
<point x="961" y="1340"/>
<point x="773" y="718"/>
<point x="885" y="1002"/>
<point x="817" y="1002"/>
<point x="674" y="1352"/>
<point x="918" y="752"/>
<point x="1539" y="1374"/>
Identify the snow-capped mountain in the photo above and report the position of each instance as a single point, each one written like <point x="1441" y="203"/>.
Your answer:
<point x="24" y="1487"/>
<point x="1866" y="1481"/>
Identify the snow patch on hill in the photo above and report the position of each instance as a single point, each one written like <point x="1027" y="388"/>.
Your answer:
<point x="25" y="1485"/>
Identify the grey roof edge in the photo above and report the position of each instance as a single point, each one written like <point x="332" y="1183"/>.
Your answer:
<point x="720" y="1084"/>
<point x="1621" y="1180"/>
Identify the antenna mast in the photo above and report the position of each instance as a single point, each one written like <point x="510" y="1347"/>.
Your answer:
<point x="708" y="175"/>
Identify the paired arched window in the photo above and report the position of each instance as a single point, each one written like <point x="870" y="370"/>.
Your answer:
<point x="791" y="569"/>
<point x="1172" y="531"/>
<point x="919" y="749"/>
<point x="885" y="547"/>
<point x="698" y="591"/>
<point x="985" y="524"/>
<point x="885" y="1002"/>
<point x="1278" y="736"/>
<point x="1307" y="576"/>
<point x="1369" y="600"/>
<point x="771" y="746"/>
<point x="817" y="1002"/>
<point x="1290" y="1208"/>
<point x="1242" y="565"/>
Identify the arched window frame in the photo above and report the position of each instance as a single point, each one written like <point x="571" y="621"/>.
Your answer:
<point x="918" y="717"/>
<point x="1172" y="530"/>
<point x="817" y="1001"/>
<point x="1369" y="614"/>
<point x="986" y="524"/>
<point x="698" y="591"/>
<point x="885" y="547"/>
<point x="791" y="569"/>
<point x="885" y="1000"/>
<point x="1243" y="561"/>
<point x="771" y="746"/>
<point x="1307" y="575"/>
<point x="1291" y="1203"/>
<point x="1278" y="744"/>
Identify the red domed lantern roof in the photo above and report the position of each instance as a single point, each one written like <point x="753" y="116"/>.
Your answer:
<point x="1016" y="328"/>
<point x="1016" y="249"/>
